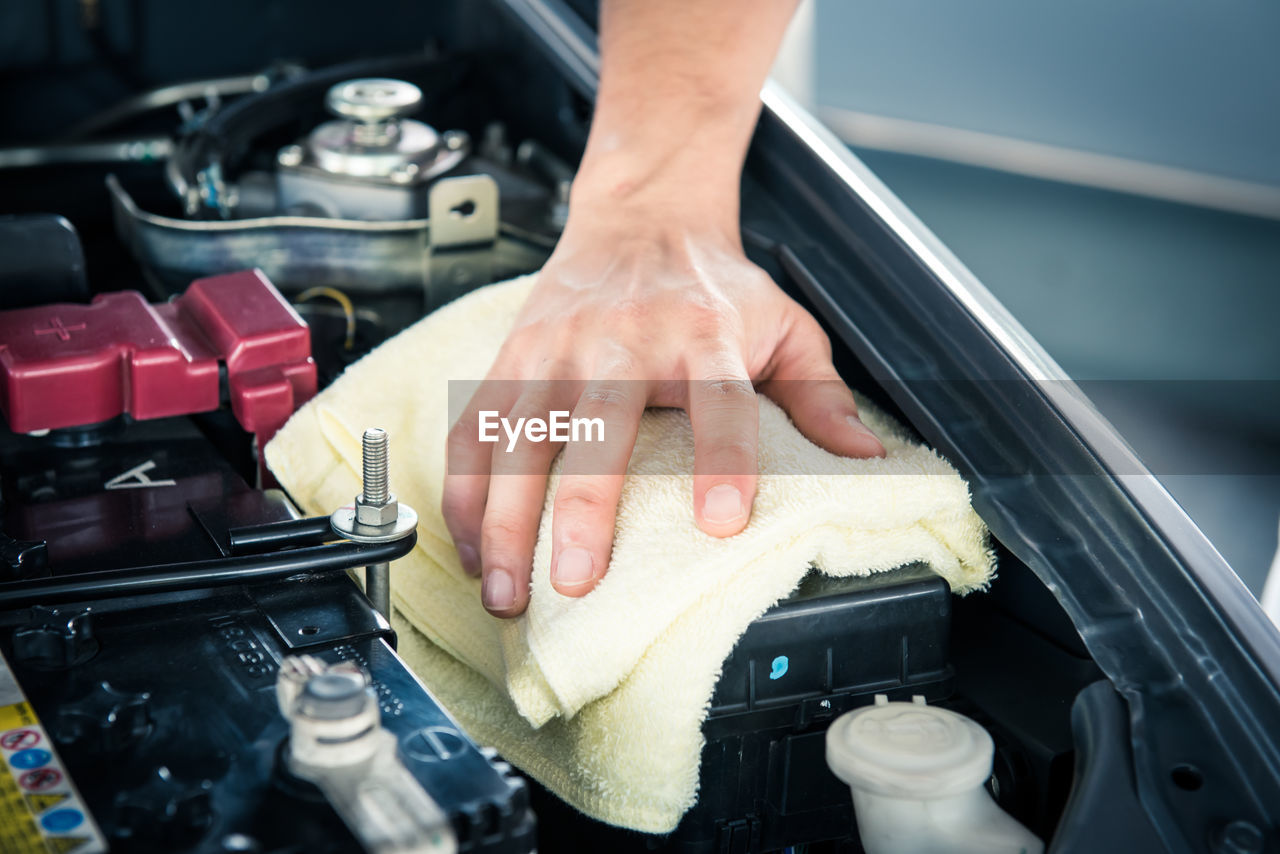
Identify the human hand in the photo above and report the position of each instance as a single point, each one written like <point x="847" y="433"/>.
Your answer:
<point x="637" y="307"/>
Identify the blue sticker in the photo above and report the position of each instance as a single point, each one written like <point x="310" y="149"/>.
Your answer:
<point x="60" y="821"/>
<point x="32" y="757"/>
<point x="779" y="667"/>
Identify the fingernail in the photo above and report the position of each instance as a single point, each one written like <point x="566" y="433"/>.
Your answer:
<point x="498" y="592"/>
<point x="856" y="423"/>
<point x="470" y="558"/>
<point x="722" y="503"/>
<point x="872" y="450"/>
<point x="573" y="567"/>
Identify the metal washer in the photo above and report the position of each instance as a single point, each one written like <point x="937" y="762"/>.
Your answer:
<point x="344" y="524"/>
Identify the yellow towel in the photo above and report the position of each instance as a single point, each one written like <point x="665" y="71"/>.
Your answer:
<point x="602" y="698"/>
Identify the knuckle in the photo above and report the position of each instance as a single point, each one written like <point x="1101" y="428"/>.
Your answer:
<point x="524" y="410"/>
<point x="709" y="325"/>
<point x="581" y="497"/>
<point x="604" y="397"/>
<point x="499" y="532"/>
<point x="536" y="400"/>
<point x="731" y="448"/>
<point x="733" y="389"/>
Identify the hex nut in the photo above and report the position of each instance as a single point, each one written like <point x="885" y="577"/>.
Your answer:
<point x="377" y="515"/>
<point x="334" y="695"/>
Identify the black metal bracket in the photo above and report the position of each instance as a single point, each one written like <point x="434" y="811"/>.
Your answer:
<point x="274" y="551"/>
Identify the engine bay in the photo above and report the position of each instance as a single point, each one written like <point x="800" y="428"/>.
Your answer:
<point x="159" y="587"/>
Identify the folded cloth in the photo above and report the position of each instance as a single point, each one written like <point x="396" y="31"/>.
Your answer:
<point x="602" y="698"/>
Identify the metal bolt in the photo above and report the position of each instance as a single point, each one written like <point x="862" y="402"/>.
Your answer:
<point x="290" y="156"/>
<point x="377" y="496"/>
<point x="375" y="452"/>
<point x="375" y="516"/>
<point x="375" y="505"/>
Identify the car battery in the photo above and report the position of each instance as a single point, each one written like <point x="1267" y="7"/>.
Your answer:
<point x="147" y="719"/>
<point x="829" y="647"/>
<point x="163" y="715"/>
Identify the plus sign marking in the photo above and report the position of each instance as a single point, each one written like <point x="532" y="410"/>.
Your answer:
<point x="56" y="327"/>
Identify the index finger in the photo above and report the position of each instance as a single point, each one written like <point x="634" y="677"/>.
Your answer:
<point x="467" y="468"/>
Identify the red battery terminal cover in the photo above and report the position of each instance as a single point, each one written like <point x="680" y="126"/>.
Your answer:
<point x="68" y="365"/>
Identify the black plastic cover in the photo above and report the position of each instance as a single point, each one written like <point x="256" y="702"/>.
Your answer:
<point x="764" y="785"/>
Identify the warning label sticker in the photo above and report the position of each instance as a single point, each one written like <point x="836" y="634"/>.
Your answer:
<point x="20" y="739"/>
<point x="40" y="810"/>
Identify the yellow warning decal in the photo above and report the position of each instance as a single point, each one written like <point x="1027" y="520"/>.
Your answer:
<point x="18" y="831"/>
<point x="16" y="715"/>
<point x="40" y="803"/>
<point x="40" y="810"/>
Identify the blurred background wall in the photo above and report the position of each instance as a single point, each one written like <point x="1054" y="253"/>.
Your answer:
<point x="1111" y="171"/>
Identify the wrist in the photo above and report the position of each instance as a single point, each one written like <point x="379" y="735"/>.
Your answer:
<point x="679" y="156"/>
<point x="655" y="185"/>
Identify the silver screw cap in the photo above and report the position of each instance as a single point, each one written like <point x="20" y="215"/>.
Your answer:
<point x="373" y="99"/>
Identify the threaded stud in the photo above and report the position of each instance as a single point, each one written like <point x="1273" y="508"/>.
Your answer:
<point x="377" y="490"/>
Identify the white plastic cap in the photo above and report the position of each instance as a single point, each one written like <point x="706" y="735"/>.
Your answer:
<point x="909" y="750"/>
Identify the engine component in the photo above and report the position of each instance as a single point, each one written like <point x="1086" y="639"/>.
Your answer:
<point x="463" y="211"/>
<point x="373" y="163"/>
<point x="336" y="740"/>
<point x="176" y="741"/>
<point x="346" y="204"/>
<point x="61" y="364"/>
<point x="464" y="232"/>
<point x="161" y="703"/>
<point x="375" y="138"/>
<point x="916" y="773"/>
<point x="359" y="256"/>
